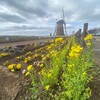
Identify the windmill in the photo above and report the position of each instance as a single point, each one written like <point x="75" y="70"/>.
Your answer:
<point x="60" y="28"/>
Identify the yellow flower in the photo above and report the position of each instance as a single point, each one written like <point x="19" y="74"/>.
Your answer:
<point x="88" y="37"/>
<point x="36" y="55"/>
<point x="41" y="65"/>
<point x="10" y="67"/>
<point x="18" y="57"/>
<point x="29" y="53"/>
<point x="30" y="68"/>
<point x="43" y="58"/>
<point x="28" y="59"/>
<point x="12" y="70"/>
<point x="89" y="44"/>
<point x="84" y="74"/>
<point x="27" y="73"/>
<point x="47" y="87"/>
<point x="58" y="40"/>
<point x="75" y="51"/>
<point x="18" y="66"/>
<point x="48" y="48"/>
<point x="49" y="75"/>
<point x="76" y="55"/>
<point x="70" y="65"/>
<point x="25" y="60"/>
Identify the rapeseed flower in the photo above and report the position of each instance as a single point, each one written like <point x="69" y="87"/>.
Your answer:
<point x="41" y="65"/>
<point x="88" y="37"/>
<point x="10" y="67"/>
<point x="49" y="75"/>
<point x="58" y="40"/>
<point x="30" y="68"/>
<point x="75" y="51"/>
<point x="88" y="44"/>
<point x="47" y="87"/>
<point x="18" y="66"/>
<point x="27" y="73"/>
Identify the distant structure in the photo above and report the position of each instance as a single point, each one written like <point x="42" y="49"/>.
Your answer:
<point x="60" y="29"/>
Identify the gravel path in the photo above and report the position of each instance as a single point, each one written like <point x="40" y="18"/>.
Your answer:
<point x="95" y="84"/>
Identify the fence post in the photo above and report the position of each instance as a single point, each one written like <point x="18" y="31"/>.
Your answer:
<point x="85" y="32"/>
<point x="78" y="35"/>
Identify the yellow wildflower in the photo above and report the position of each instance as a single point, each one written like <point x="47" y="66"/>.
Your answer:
<point x="43" y="58"/>
<point x="47" y="87"/>
<point x="30" y="68"/>
<point x="58" y="40"/>
<point x="27" y="73"/>
<point x="36" y="55"/>
<point x="10" y="67"/>
<point x="41" y="65"/>
<point x="12" y="70"/>
<point x="70" y="65"/>
<point x="88" y="37"/>
<point x="49" y="75"/>
<point x="29" y="53"/>
<point x="88" y="43"/>
<point x="84" y="74"/>
<point x="28" y="59"/>
<point x="75" y="51"/>
<point x="18" y="66"/>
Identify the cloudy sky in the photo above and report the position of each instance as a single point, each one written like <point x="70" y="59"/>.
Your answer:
<point x="27" y="17"/>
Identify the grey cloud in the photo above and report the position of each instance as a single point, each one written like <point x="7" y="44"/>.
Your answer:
<point x="37" y="7"/>
<point x="48" y="11"/>
<point x="11" y="18"/>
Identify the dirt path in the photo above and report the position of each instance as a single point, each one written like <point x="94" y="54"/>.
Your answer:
<point x="95" y="84"/>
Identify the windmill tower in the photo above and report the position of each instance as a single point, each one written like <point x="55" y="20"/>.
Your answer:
<point x="60" y="29"/>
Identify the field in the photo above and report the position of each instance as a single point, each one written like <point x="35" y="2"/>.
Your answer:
<point x="57" y="69"/>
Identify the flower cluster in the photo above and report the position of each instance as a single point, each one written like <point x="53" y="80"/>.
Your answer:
<point x="4" y="55"/>
<point x="75" y="51"/>
<point x="29" y="70"/>
<point x="47" y="87"/>
<point x="28" y="59"/>
<point x="14" y="67"/>
<point x="58" y="40"/>
<point x="87" y="39"/>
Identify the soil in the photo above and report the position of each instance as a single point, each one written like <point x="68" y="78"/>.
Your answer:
<point x="13" y="86"/>
<point x="3" y="45"/>
<point x="10" y="84"/>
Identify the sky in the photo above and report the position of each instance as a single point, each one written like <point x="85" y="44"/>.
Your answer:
<point x="39" y="17"/>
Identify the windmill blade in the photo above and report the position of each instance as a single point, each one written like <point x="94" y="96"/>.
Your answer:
<point x="63" y="15"/>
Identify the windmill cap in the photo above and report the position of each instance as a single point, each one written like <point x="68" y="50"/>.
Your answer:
<point x="61" y="22"/>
